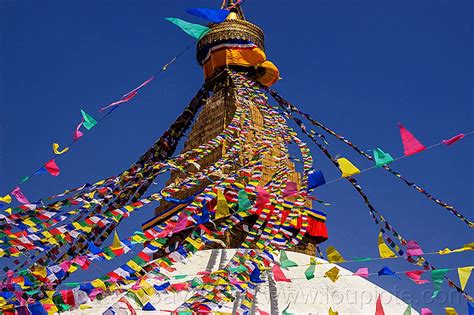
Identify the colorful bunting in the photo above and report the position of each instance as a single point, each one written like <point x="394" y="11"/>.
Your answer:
<point x="464" y="273"/>
<point x="437" y="277"/>
<point x="381" y="158"/>
<point x="56" y="147"/>
<point x="347" y="168"/>
<point x="194" y="30"/>
<point x="410" y="144"/>
<point x="128" y="96"/>
<point x="454" y="139"/>
<point x="89" y="122"/>
<point x="52" y="167"/>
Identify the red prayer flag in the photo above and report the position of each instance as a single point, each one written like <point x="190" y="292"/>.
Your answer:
<point x="378" y="307"/>
<point x="453" y="139"/>
<point x="278" y="274"/>
<point x="410" y="144"/>
<point x="52" y="167"/>
<point x="263" y="197"/>
<point x="78" y="134"/>
<point x="127" y="97"/>
<point x="415" y="275"/>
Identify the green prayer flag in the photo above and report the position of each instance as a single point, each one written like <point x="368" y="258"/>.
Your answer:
<point x="178" y="277"/>
<point x="285" y="311"/>
<point x="193" y="30"/>
<point x="309" y="273"/>
<point x="243" y="200"/>
<point x="408" y="310"/>
<point x="361" y="259"/>
<point x="89" y="121"/>
<point x="238" y="269"/>
<point x="381" y="158"/>
<point x="437" y="277"/>
<point x="285" y="262"/>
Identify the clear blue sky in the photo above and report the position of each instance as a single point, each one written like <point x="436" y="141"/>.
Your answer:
<point x="358" y="66"/>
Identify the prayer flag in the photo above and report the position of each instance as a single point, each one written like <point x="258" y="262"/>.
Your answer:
<point x="243" y="200"/>
<point x="332" y="274"/>
<point x="470" y="309"/>
<point x="415" y="275"/>
<point x="290" y="189"/>
<point x="6" y="199"/>
<point x="19" y="195"/>
<point x="332" y="312"/>
<point x="381" y="158"/>
<point x="454" y="139"/>
<point x="56" y="147"/>
<point x="385" y="271"/>
<point x="148" y="307"/>
<point x="407" y="310"/>
<point x="413" y="249"/>
<point x="464" y="273"/>
<point x="426" y="311"/>
<point x="89" y="122"/>
<point x="362" y="272"/>
<point x="347" y="168"/>
<point x="378" y="306"/>
<point x="42" y="170"/>
<point x="255" y="276"/>
<point x="333" y="255"/>
<point x="285" y="262"/>
<point x="216" y="16"/>
<point x="193" y="30"/>
<point x="384" y="250"/>
<point x="78" y="134"/>
<point x="437" y="277"/>
<point x="263" y="197"/>
<point x="450" y="311"/>
<point x="410" y="144"/>
<point x="128" y="96"/>
<point x="222" y="208"/>
<point x="315" y="179"/>
<point x="309" y="273"/>
<point x="52" y="167"/>
<point x="278" y="274"/>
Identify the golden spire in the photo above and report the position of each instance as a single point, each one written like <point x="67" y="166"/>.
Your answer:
<point x="236" y="11"/>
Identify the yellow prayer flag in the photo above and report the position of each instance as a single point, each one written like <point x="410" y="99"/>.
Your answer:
<point x="464" y="273"/>
<point x="222" y="208"/>
<point x="333" y="255"/>
<point x="116" y="243"/>
<point x="56" y="151"/>
<point x="97" y="283"/>
<point x="133" y="265"/>
<point x="347" y="168"/>
<point x="450" y="311"/>
<point x="331" y="312"/>
<point x="332" y="274"/>
<point x="39" y="271"/>
<point x="6" y="199"/>
<point x="384" y="250"/>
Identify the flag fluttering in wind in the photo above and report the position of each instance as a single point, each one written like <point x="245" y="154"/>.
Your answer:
<point x="193" y="30"/>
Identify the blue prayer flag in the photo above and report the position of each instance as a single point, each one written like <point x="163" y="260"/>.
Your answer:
<point x="315" y="179"/>
<point x="216" y="16"/>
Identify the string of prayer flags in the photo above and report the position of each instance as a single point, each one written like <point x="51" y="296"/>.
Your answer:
<point x="285" y="262"/>
<point x="57" y="151"/>
<point x="362" y="272"/>
<point x="89" y="121"/>
<point x="128" y="96"/>
<point x="454" y="139"/>
<point x="215" y="16"/>
<point x="278" y="274"/>
<point x="18" y="194"/>
<point x="411" y="145"/>
<point x="222" y="208"/>
<point x="332" y="274"/>
<point x="450" y="311"/>
<point x="437" y="277"/>
<point x="309" y="272"/>
<point x="407" y="310"/>
<point x="243" y="200"/>
<point x="315" y="179"/>
<point x="347" y="168"/>
<point x="332" y="312"/>
<point x="194" y="30"/>
<point x="378" y="306"/>
<point x="384" y="250"/>
<point x="415" y="275"/>
<point x="78" y="133"/>
<point x="464" y="273"/>
<point x="385" y="271"/>
<point x="381" y="158"/>
<point x="446" y="251"/>
<point x="52" y="167"/>
<point x="426" y="311"/>
<point x="413" y="249"/>
<point x="6" y="199"/>
<point x="333" y="255"/>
